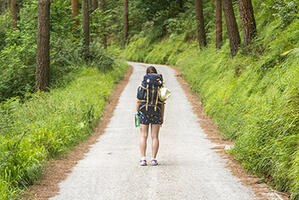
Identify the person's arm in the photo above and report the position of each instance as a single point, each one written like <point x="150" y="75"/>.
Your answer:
<point x="162" y="113"/>
<point x="163" y="105"/>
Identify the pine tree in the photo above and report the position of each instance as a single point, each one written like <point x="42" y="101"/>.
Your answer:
<point x="232" y="26"/>
<point x="43" y="46"/>
<point x="201" y="33"/>
<point x="248" y="21"/>
<point x="75" y="10"/>
<point x="14" y="12"/>
<point x="85" y="11"/>
<point x="218" y="24"/>
<point x="126" y="21"/>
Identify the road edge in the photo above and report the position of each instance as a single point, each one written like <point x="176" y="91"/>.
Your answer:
<point x="57" y="170"/>
<point x="261" y="190"/>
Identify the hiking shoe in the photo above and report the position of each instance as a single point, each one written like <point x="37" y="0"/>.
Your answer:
<point x="143" y="163"/>
<point x="154" y="162"/>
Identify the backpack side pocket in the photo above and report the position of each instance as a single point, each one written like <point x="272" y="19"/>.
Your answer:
<point x="141" y="93"/>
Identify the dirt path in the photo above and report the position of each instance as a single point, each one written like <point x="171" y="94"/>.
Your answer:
<point x="193" y="164"/>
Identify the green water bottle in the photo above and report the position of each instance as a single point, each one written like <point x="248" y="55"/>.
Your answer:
<point x="137" y="119"/>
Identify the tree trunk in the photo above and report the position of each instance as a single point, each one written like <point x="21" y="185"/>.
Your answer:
<point x="201" y="33"/>
<point x="218" y="24"/>
<point x="95" y="4"/>
<point x="181" y="5"/>
<point x="75" y="10"/>
<point x="43" y="46"/>
<point x="248" y="21"/>
<point x="14" y="12"/>
<point x="85" y="22"/>
<point x="232" y="26"/>
<point x="126" y="21"/>
<point x="104" y="37"/>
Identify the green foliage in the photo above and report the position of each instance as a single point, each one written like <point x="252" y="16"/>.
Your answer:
<point x="49" y="124"/>
<point x="102" y="23"/>
<point x="4" y="27"/>
<point x="253" y="98"/>
<point x="18" y="55"/>
<point x="138" y="49"/>
<point x="287" y="10"/>
<point x="146" y="13"/>
<point x="100" y="58"/>
<point x="3" y="7"/>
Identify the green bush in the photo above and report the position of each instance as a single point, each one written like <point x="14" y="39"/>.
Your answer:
<point x="4" y="27"/>
<point x="100" y="58"/>
<point x="49" y="124"/>
<point x="18" y="49"/>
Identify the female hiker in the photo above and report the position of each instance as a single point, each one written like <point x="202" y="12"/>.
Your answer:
<point x="151" y="111"/>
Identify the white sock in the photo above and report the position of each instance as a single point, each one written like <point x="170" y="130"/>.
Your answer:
<point x="143" y="158"/>
<point x="154" y="159"/>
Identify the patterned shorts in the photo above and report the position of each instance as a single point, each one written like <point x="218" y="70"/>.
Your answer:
<point x="147" y="118"/>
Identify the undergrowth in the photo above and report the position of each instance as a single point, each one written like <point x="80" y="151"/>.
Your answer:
<point x="47" y="125"/>
<point x="253" y="98"/>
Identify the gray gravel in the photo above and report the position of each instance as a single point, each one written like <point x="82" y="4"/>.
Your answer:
<point x="188" y="167"/>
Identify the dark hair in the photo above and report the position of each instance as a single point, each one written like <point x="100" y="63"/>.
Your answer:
<point x="151" y="70"/>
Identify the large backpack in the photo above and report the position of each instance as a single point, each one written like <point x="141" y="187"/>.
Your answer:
<point x="148" y="93"/>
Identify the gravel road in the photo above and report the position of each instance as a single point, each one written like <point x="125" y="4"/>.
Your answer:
<point x="189" y="168"/>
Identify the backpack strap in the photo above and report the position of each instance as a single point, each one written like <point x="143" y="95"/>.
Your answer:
<point x="144" y="101"/>
<point x="143" y="87"/>
<point x="147" y="97"/>
<point x="157" y="98"/>
<point x="153" y="92"/>
<point x="145" y="105"/>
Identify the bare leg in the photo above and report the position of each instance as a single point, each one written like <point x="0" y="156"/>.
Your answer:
<point x="155" y="139"/>
<point x="143" y="139"/>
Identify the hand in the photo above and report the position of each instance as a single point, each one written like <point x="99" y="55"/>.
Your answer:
<point x="161" y="123"/>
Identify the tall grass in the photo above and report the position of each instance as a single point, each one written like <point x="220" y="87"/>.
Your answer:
<point x="253" y="98"/>
<point x="49" y="124"/>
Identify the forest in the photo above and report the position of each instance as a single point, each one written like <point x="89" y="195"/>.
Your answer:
<point x="60" y="61"/>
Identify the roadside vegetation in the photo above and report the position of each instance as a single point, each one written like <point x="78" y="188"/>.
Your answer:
<point x="59" y="61"/>
<point x="49" y="124"/>
<point x="252" y="97"/>
<point x="36" y="126"/>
